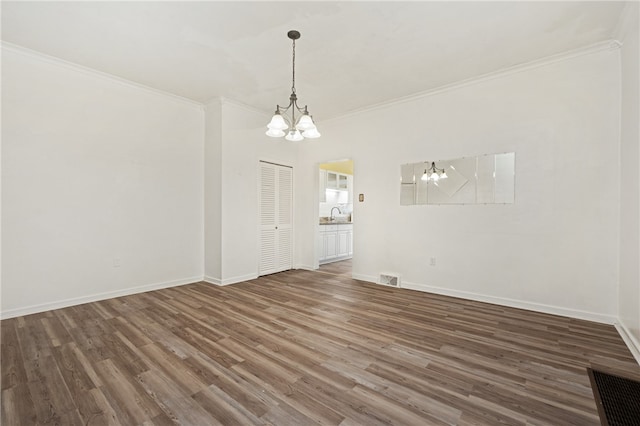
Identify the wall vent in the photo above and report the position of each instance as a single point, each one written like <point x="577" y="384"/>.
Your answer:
<point x="392" y="280"/>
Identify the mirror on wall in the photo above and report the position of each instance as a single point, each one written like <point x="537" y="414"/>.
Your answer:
<point x="485" y="179"/>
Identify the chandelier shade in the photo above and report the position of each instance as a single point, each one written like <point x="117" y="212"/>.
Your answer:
<point x="305" y="123"/>
<point x="277" y="123"/>
<point x="291" y="127"/>
<point x="294" y="135"/>
<point x="275" y="133"/>
<point x="311" y="133"/>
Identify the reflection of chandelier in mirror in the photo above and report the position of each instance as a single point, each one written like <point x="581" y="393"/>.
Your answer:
<point x="433" y="173"/>
<point x="304" y="127"/>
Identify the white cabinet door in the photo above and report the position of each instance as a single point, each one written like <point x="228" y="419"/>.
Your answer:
<point x="276" y="218"/>
<point x="343" y="243"/>
<point x="330" y="245"/>
<point x="343" y="181"/>
<point x="332" y="180"/>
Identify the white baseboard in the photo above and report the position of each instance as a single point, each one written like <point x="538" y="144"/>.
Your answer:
<point x="34" y="309"/>
<point x="513" y="303"/>
<point x="239" y="279"/>
<point x="631" y="342"/>
<point x="306" y="267"/>
<point x="211" y="280"/>
<point x="228" y="281"/>
<point x="368" y="278"/>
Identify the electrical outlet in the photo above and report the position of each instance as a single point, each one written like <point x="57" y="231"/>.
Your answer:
<point x="432" y="261"/>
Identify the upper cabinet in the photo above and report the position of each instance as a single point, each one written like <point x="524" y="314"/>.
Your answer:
<point x="337" y="181"/>
<point x="332" y="180"/>
<point x="342" y="181"/>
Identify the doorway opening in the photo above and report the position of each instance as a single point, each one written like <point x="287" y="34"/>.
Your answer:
<point x="335" y="211"/>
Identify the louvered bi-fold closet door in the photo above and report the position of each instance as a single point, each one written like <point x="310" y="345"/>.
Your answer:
<point x="276" y="212"/>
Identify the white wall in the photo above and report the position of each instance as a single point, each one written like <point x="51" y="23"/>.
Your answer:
<point x="96" y="173"/>
<point x="629" y="293"/>
<point x="213" y="192"/>
<point x="242" y="145"/>
<point x="555" y="249"/>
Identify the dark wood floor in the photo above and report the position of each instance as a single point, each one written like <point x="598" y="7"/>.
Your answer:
<point x="300" y="348"/>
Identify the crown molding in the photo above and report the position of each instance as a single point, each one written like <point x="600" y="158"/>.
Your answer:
<point x="14" y="48"/>
<point x="538" y="63"/>
<point x="630" y="11"/>
<point x="611" y="44"/>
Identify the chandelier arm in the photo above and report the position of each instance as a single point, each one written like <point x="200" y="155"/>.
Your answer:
<point x="282" y="109"/>
<point x="294" y="102"/>
<point x="301" y="110"/>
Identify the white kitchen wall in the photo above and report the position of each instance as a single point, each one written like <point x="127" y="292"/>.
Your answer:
<point x="554" y="250"/>
<point x="337" y="199"/>
<point x="242" y="145"/>
<point x="102" y="186"/>
<point x="629" y="295"/>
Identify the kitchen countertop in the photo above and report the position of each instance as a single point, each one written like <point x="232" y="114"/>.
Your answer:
<point x="336" y="223"/>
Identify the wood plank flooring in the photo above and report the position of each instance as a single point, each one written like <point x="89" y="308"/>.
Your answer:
<point x="300" y="348"/>
<point x="342" y="267"/>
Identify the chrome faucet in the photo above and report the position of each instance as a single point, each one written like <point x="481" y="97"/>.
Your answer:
<point x="339" y="212"/>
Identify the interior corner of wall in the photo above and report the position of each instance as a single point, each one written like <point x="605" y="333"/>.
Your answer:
<point x="629" y="339"/>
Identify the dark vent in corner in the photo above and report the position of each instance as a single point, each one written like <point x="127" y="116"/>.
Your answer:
<point x="617" y="398"/>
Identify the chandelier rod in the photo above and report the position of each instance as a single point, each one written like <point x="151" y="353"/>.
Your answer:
<point x="293" y="79"/>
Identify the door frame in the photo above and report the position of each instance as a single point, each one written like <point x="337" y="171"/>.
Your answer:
<point x="316" y="238"/>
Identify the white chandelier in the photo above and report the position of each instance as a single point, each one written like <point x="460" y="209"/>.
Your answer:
<point x="291" y="128"/>
<point x="433" y="173"/>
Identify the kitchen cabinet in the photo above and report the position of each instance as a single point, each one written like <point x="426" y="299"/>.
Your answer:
<point x="337" y="181"/>
<point x="343" y="243"/>
<point x="332" y="180"/>
<point x="336" y="242"/>
<point x="342" y="181"/>
<point x="330" y="245"/>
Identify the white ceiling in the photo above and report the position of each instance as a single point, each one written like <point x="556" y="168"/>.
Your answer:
<point x="350" y="55"/>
